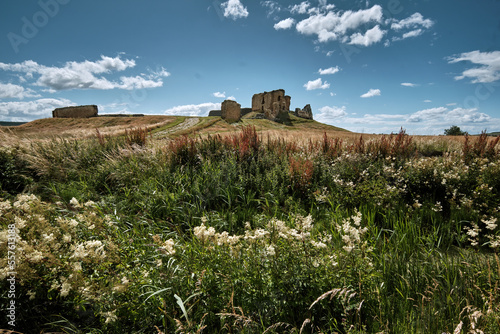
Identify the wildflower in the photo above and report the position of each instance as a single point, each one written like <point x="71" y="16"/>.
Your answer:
<point x="32" y="294"/>
<point x="73" y="223"/>
<point x="437" y="207"/>
<point x="48" y="237"/>
<point x="318" y="244"/>
<point x="204" y="234"/>
<point x="36" y="256"/>
<point x="77" y="266"/>
<point x="490" y="224"/>
<point x="417" y="205"/>
<point x="159" y="263"/>
<point x="67" y="238"/>
<point x="168" y="246"/>
<point x="5" y="206"/>
<point x="20" y="223"/>
<point x="270" y="250"/>
<point x="494" y="241"/>
<point x="90" y="204"/>
<point x="65" y="288"/>
<point x="110" y="316"/>
<point x="74" y="202"/>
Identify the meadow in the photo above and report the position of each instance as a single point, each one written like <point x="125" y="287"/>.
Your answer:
<point x="249" y="232"/>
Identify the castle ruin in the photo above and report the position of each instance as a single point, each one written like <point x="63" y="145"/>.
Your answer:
<point x="273" y="105"/>
<point x="75" y="112"/>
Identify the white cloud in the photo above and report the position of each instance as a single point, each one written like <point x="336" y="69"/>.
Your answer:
<point x="330" y="114"/>
<point x="272" y="7"/>
<point x="408" y="84"/>
<point x="371" y="93"/>
<point x="427" y="114"/>
<point x="284" y="24"/>
<point x="82" y="75"/>
<point x="427" y="101"/>
<point x="331" y="25"/>
<point x="11" y="91"/>
<point x="231" y="98"/>
<point x="234" y="9"/>
<point x="27" y="111"/>
<point x="412" y="22"/>
<point x="331" y="70"/>
<point x="415" y="23"/>
<point x="316" y="84"/>
<point x="445" y="116"/>
<point x="489" y="71"/>
<point x="413" y="33"/>
<point x="371" y="36"/>
<point x="193" y="109"/>
<point x="300" y="8"/>
<point x="219" y="94"/>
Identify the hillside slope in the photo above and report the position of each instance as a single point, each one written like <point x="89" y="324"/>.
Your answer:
<point x="165" y="127"/>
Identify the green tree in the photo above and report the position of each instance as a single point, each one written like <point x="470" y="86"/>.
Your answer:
<point x="454" y="131"/>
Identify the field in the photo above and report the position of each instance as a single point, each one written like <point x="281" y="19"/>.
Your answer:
<point x="193" y="225"/>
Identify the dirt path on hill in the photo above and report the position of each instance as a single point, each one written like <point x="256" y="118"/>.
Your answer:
<point x="187" y="123"/>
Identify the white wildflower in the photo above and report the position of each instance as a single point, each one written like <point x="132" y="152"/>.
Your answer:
<point x="159" y="263"/>
<point x="32" y="294"/>
<point x="5" y="206"/>
<point x="270" y="251"/>
<point x="110" y="316"/>
<point x="73" y="223"/>
<point x="65" y="288"/>
<point x="77" y="266"/>
<point x="67" y="238"/>
<point x="168" y="246"/>
<point x="35" y="257"/>
<point x="90" y="204"/>
<point x="48" y="237"/>
<point x="490" y="224"/>
<point x="20" y="223"/>
<point x="74" y="202"/>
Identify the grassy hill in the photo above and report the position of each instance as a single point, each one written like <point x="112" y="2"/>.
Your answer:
<point x="166" y="126"/>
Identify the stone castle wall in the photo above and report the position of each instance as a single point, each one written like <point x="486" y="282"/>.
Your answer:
<point x="75" y="112"/>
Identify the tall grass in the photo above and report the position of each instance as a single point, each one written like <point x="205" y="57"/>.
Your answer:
<point x="244" y="234"/>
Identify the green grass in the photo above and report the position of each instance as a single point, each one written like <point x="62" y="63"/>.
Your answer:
<point x="238" y="235"/>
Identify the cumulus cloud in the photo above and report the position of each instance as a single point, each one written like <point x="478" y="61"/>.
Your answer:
<point x="284" y="24"/>
<point x="488" y="71"/>
<point x="371" y="93"/>
<point x="330" y="114"/>
<point x="316" y="84"/>
<point x="193" y="109"/>
<point x="219" y="94"/>
<point x="23" y="111"/>
<point x="414" y="21"/>
<point x="300" y="8"/>
<point x="371" y="36"/>
<point x="87" y="75"/>
<point x="416" y="24"/>
<point x="234" y="9"/>
<point x="11" y="91"/>
<point x="331" y="26"/>
<point x="444" y="115"/>
<point x="331" y="70"/>
<point x="408" y="84"/>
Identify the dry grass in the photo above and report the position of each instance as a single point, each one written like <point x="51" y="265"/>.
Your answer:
<point x="299" y="131"/>
<point x="84" y="128"/>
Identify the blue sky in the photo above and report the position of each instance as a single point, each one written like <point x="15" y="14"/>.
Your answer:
<point x="367" y="66"/>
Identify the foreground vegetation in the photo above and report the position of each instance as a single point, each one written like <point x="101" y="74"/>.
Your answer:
<point x="243" y="234"/>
